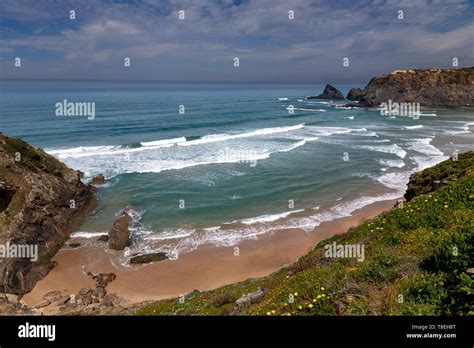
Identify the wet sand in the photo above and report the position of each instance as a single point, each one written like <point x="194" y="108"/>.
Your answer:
<point x="205" y="268"/>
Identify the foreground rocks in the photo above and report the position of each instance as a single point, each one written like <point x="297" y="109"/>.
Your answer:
<point x="42" y="200"/>
<point x="429" y="87"/>
<point x="329" y="92"/>
<point x="87" y="301"/>
<point x="98" y="180"/>
<point x="119" y="234"/>
<point x="148" y="258"/>
<point x="252" y="297"/>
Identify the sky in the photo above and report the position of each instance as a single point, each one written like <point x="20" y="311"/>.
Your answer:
<point x="373" y="35"/>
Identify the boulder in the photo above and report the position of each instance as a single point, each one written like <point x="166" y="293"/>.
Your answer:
<point x="103" y="238"/>
<point x="147" y="258"/>
<point x="98" y="180"/>
<point x="52" y="296"/>
<point x="119" y="234"/>
<point x="102" y="279"/>
<point x="251" y="297"/>
<point x="329" y="92"/>
<point x="111" y="300"/>
<point x="84" y="291"/>
<point x="42" y="304"/>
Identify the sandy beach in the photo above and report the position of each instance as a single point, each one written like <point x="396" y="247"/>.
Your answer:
<point x="205" y="268"/>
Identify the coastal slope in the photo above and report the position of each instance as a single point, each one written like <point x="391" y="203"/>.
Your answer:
<point x="429" y="87"/>
<point x="418" y="260"/>
<point x="41" y="201"/>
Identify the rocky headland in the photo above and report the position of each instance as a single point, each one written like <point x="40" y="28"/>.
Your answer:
<point x="428" y="87"/>
<point x="41" y="201"/>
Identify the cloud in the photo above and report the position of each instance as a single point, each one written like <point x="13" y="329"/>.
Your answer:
<point x="270" y="45"/>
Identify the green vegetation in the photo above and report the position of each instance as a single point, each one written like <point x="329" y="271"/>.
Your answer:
<point x="432" y="178"/>
<point x="30" y="157"/>
<point x="418" y="261"/>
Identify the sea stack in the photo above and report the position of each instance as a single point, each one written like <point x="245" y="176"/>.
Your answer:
<point x="119" y="234"/>
<point x="329" y="92"/>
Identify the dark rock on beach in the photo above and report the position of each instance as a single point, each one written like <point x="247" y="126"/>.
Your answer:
<point x="147" y="258"/>
<point x="102" y="279"/>
<point x="119" y="234"/>
<point x="103" y="238"/>
<point x="41" y="202"/>
<point x="329" y="93"/>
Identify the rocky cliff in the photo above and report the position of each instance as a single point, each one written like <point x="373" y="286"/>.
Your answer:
<point x="429" y="87"/>
<point x="41" y="200"/>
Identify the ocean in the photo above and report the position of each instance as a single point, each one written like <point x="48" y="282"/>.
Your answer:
<point x="216" y="164"/>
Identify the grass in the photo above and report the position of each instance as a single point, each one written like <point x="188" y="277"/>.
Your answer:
<point x="416" y="262"/>
<point x="29" y="157"/>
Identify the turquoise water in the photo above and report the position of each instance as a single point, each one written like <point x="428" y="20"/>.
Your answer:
<point x="236" y="164"/>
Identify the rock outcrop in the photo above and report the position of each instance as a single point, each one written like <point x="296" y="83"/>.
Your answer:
<point x="119" y="234"/>
<point x="41" y="201"/>
<point x="148" y="258"/>
<point x="98" y="180"/>
<point x="329" y="93"/>
<point x="428" y="87"/>
<point x="355" y="94"/>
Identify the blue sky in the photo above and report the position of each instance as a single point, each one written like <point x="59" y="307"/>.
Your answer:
<point x="201" y="48"/>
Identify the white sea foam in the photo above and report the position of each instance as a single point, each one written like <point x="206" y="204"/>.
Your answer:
<point x="325" y="131"/>
<point x="392" y="163"/>
<point x="164" y="142"/>
<point x="307" y="109"/>
<point x="179" y="153"/>
<point x="392" y="148"/>
<point x="269" y="217"/>
<point x="430" y="154"/>
<point x="224" y="137"/>
<point x="396" y="181"/>
<point x="418" y="126"/>
<point x="282" y="99"/>
<point x="88" y="235"/>
<point x="317" y="102"/>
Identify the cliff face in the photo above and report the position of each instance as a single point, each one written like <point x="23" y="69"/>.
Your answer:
<point x="429" y="87"/>
<point x="41" y="200"/>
